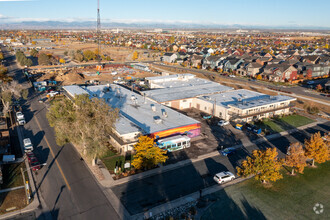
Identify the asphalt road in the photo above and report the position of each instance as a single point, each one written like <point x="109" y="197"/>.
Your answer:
<point x="141" y="195"/>
<point x="298" y="90"/>
<point x="65" y="183"/>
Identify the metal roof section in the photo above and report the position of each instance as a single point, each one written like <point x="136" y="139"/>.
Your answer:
<point x="139" y="114"/>
<point x="74" y="90"/>
<point x="244" y="99"/>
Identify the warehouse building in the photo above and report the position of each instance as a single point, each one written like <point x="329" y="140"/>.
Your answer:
<point x="140" y="116"/>
<point x="179" y="91"/>
<point x="243" y="105"/>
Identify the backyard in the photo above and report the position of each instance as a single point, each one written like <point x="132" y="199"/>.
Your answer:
<point x="284" y="123"/>
<point x="12" y="177"/>
<point x="292" y="197"/>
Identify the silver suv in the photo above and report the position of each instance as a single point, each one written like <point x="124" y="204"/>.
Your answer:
<point x="223" y="177"/>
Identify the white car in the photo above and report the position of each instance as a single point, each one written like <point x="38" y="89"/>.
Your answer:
<point x="232" y="76"/>
<point x="223" y="123"/>
<point x="20" y="118"/>
<point x="223" y="177"/>
<point x="28" y="147"/>
<point x="52" y="93"/>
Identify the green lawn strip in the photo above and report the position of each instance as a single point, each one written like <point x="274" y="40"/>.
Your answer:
<point x="292" y="197"/>
<point x="11" y="175"/>
<point x="109" y="153"/>
<point x="284" y="123"/>
<point x="296" y="120"/>
<point x="270" y="126"/>
<point x="110" y="162"/>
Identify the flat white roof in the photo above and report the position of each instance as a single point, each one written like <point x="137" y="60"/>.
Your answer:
<point x="185" y="92"/>
<point x="170" y="77"/>
<point x="243" y="99"/>
<point x="136" y="111"/>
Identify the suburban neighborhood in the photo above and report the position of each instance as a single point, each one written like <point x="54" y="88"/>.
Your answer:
<point x="163" y="120"/>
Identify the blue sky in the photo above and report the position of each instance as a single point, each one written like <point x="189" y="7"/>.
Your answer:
<point x="246" y="12"/>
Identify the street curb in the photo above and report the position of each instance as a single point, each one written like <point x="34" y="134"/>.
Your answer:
<point x="110" y="183"/>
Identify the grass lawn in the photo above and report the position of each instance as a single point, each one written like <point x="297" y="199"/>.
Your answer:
<point x="110" y="160"/>
<point x="296" y="120"/>
<point x="292" y="197"/>
<point x="12" y="177"/>
<point x="12" y="199"/>
<point x="284" y="123"/>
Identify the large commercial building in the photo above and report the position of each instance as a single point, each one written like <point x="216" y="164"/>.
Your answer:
<point x="179" y="91"/>
<point x="186" y="91"/>
<point x="243" y="105"/>
<point x="138" y="116"/>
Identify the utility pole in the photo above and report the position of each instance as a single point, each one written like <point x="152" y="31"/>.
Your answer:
<point x="98" y="31"/>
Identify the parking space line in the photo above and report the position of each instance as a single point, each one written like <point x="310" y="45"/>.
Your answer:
<point x="51" y="151"/>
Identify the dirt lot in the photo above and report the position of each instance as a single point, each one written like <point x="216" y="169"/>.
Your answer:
<point x="117" y="54"/>
<point x="81" y="75"/>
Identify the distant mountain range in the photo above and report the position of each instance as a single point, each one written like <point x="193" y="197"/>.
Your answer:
<point x="145" y="25"/>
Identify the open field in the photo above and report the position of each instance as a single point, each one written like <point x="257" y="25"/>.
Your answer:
<point x="292" y="197"/>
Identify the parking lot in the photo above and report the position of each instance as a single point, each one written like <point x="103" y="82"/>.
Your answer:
<point x="213" y="137"/>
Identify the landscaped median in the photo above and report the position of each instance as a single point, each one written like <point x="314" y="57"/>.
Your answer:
<point x="293" y="197"/>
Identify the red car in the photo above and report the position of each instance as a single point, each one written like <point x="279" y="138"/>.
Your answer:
<point x="33" y="161"/>
<point x="35" y="166"/>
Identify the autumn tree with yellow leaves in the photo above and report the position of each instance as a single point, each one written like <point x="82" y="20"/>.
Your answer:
<point x="147" y="154"/>
<point x="296" y="158"/>
<point x="135" y="55"/>
<point x="264" y="164"/>
<point x="316" y="149"/>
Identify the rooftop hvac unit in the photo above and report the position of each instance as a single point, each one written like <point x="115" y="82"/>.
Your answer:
<point x="153" y="107"/>
<point x="133" y="97"/>
<point x="164" y="113"/>
<point x="157" y="119"/>
<point x="239" y="99"/>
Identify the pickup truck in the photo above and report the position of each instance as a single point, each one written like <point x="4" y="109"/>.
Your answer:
<point x="20" y="118"/>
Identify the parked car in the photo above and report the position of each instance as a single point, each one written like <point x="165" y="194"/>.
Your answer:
<point x="34" y="163"/>
<point x="228" y="151"/>
<point x="28" y="147"/>
<point x="223" y="177"/>
<point x="223" y="123"/>
<point x="29" y="154"/>
<point x="20" y="118"/>
<point x="232" y="76"/>
<point x="52" y="94"/>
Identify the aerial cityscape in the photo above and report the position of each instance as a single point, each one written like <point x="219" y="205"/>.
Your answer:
<point x="176" y="110"/>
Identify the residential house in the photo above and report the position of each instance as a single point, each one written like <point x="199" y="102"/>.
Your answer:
<point x="196" y="60"/>
<point x="169" y="57"/>
<point x="253" y="69"/>
<point x="212" y="62"/>
<point x="319" y="70"/>
<point x="311" y="59"/>
<point x="231" y="64"/>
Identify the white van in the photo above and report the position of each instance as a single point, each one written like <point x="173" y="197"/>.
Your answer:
<point x="28" y="147"/>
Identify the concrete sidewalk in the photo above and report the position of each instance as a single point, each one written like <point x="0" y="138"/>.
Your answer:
<point x="109" y="181"/>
